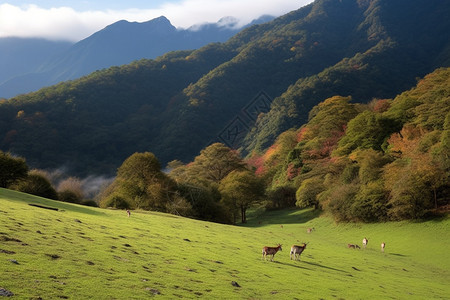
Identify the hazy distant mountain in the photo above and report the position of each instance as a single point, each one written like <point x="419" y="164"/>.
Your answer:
<point x="24" y="55"/>
<point x="117" y="44"/>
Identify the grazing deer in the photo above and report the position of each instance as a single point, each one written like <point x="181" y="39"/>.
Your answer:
<point x="270" y="251"/>
<point x="365" y="242"/>
<point x="383" y="244"/>
<point x="353" y="246"/>
<point x="128" y="213"/>
<point x="296" y="251"/>
<point x="309" y="230"/>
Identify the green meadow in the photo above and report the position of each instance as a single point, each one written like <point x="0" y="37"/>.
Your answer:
<point x="79" y="252"/>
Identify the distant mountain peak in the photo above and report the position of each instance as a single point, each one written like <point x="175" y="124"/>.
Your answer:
<point x="161" y="21"/>
<point x="228" y="21"/>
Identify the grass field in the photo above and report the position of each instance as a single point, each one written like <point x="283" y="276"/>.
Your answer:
<point x="79" y="252"/>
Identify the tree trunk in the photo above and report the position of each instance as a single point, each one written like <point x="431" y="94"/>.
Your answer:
<point x="435" y="199"/>
<point x="243" y="216"/>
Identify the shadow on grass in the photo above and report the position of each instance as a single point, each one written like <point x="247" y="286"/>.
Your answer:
<point x="398" y="254"/>
<point x="291" y="265"/>
<point x="281" y="216"/>
<point x="325" y="267"/>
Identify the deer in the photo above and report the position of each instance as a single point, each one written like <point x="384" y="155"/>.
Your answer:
<point x="383" y="244"/>
<point x="365" y="242"/>
<point x="270" y="251"/>
<point x="309" y="230"/>
<point x="297" y="250"/>
<point x="353" y="246"/>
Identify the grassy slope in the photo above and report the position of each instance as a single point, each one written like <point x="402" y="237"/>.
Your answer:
<point x="105" y="255"/>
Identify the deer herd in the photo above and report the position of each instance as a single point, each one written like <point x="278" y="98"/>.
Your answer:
<point x="296" y="250"/>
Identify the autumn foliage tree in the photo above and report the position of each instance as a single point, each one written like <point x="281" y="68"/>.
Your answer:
<point x="387" y="160"/>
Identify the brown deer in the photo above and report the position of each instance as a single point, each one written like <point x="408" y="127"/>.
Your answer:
<point x="270" y="251"/>
<point x="309" y="230"/>
<point x="296" y="251"/>
<point x="353" y="246"/>
<point x="383" y="244"/>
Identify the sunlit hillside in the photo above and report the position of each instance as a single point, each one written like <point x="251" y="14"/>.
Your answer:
<point x="77" y="252"/>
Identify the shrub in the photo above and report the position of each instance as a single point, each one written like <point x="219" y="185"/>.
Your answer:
<point x="371" y="203"/>
<point x="91" y="203"/>
<point x="72" y="186"/>
<point x="281" y="197"/>
<point x="341" y="200"/>
<point x="68" y="196"/>
<point x="11" y="169"/>
<point x="116" y="201"/>
<point x="36" y="184"/>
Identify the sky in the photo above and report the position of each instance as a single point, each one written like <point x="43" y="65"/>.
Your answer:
<point x="74" y="20"/>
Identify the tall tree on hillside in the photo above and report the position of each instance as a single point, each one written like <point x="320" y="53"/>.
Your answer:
<point x="239" y="190"/>
<point x="307" y="193"/>
<point x="140" y="181"/>
<point x="215" y="162"/>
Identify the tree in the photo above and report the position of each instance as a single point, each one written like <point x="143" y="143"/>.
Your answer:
<point x="371" y="164"/>
<point x="140" y="181"/>
<point x="308" y="192"/>
<point x="11" y="169"/>
<point x="367" y="130"/>
<point x="205" y="202"/>
<point x="115" y="201"/>
<point x="215" y="162"/>
<point x="370" y="203"/>
<point x="239" y="190"/>
<point x="70" y="190"/>
<point x="282" y="197"/>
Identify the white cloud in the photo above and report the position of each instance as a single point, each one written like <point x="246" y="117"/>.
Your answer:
<point x="69" y="24"/>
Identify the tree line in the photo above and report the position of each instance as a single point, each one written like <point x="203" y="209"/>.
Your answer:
<point x="385" y="160"/>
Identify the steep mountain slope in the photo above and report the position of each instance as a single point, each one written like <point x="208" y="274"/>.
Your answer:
<point x="175" y="105"/>
<point x="92" y="124"/>
<point x="409" y="41"/>
<point x="117" y="44"/>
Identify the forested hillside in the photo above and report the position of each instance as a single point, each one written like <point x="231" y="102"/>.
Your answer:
<point x="176" y="105"/>
<point x="386" y="160"/>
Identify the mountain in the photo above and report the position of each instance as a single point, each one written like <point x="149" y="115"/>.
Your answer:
<point x="243" y="92"/>
<point x="117" y="44"/>
<point x="24" y="55"/>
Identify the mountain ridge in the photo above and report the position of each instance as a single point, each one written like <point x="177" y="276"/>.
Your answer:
<point x="119" y="43"/>
<point x="181" y="101"/>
